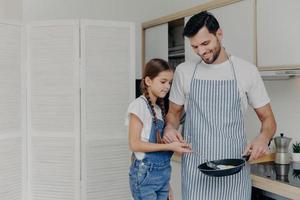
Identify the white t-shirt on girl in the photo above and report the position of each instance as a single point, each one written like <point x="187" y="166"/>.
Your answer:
<point x="250" y="85"/>
<point x="140" y="108"/>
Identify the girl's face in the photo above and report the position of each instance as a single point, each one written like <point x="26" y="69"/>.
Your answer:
<point x="161" y="84"/>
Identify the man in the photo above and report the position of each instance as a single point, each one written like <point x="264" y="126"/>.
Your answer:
<point x="214" y="94"/>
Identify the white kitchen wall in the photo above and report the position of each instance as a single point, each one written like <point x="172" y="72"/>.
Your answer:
<point x="11" y="9"/>
<point x="137" y="11"/>
<point x="285" y="101"/>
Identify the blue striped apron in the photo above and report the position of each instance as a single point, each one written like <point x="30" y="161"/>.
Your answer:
<point x="214" y="126"/>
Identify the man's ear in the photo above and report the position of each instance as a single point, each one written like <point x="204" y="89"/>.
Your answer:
<point x="148" y="81"/>
<point x="219" y="34"/>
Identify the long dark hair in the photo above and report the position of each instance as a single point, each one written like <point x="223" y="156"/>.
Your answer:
<point x="152" y="69"/>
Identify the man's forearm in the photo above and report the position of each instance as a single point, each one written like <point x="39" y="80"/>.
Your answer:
<point x="268" y="128"/>
<point x="268" y="123"/>
<point x="172" y="120"/>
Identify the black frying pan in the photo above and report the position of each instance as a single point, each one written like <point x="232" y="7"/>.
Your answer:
<point x="237" y="163"/>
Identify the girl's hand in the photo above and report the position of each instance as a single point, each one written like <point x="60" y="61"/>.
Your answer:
<point x="180" y="147"/>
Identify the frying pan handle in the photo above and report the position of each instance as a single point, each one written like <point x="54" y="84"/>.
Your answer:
<point x="246" y="157"/>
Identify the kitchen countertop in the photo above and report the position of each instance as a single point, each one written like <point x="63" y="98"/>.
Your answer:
<point x="283" y="180"/>
<point x="279" y="179"/>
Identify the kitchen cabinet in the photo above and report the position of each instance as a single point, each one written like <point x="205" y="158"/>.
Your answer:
<point x="156" y="42"/>
<point x="237" y="22"/>
<point x="176" y="48"/>
<point x="278" y="34"/>
<point x="77" y="96"/>
<point x="236" y="18"/>
<point x="12" y="112"/>
<point x="261" y="32"/>
<point x="165" y="41"/>
<point x="237" y="42"/>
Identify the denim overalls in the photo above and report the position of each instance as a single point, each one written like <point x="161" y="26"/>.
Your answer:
<point x="149" y="178"/>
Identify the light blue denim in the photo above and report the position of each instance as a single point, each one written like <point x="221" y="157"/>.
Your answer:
<point x="149" y="181"/>
<point x="149" y="178"/>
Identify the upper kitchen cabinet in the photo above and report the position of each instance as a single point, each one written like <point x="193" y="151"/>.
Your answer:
<point x="163" y="36"/>
<point x="238" y="24"/>
<point x="175" y="42"/>
<point x="278" y="34"/>
<point x="165" y="41"/>
<point x="156" y="42"/>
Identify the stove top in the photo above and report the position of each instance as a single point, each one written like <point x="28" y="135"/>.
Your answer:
<point x="289" y="173"/>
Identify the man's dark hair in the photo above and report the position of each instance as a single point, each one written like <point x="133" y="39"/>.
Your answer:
<point x="200" y="20"/>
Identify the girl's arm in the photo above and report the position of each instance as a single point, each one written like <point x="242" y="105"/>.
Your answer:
<point x="137" y="145"/>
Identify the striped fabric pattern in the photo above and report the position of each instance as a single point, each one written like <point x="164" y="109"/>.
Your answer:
<point x="214" y="126"/>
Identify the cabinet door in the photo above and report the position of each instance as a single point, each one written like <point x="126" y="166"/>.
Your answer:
<point x="156" y="42"/>
<point x="12" y="113"/>
<point x="237" y="22"/>
<point x="107" y="50"/>
<point x="278" y="32"/>
<point x="53" y="110"/>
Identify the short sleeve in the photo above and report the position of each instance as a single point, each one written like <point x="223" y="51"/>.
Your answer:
<point x="257" y="94"/>
<point x="177" y="90"/>
<point x="137" y="107"/>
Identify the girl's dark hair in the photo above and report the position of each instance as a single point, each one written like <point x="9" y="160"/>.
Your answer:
<point x="200" y="20"/>
<point x="152" y="69"/>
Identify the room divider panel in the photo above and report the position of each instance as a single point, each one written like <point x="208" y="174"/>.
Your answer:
<point x="107" y="64"/>
<point x="12" y="112"/>
<point x="80" y="82"/>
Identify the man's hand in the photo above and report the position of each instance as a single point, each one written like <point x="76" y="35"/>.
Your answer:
<point x="257" y="148"/>
<point x="172" y="135"/>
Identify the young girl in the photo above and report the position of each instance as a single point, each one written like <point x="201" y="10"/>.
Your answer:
<point x="150" y="169"/>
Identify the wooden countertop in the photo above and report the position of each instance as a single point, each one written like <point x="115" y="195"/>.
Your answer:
<point x="276" y="187"/>
<point x="266" y="184"/>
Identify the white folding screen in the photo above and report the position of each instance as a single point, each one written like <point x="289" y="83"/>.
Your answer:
<point x="107" y="50"/>
<point x="12" y="110"/>
<point x="53" y="110"/>
<point x="66" y="140"/>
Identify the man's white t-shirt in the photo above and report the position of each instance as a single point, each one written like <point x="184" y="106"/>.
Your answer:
<point x="139" y="107"/>
<point x="250" y="85"/>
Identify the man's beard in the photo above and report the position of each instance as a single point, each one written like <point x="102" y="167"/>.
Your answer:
<point x="216" y="54"/>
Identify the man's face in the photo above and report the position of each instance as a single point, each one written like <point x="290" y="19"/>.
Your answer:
<point x="207" y="45"/>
